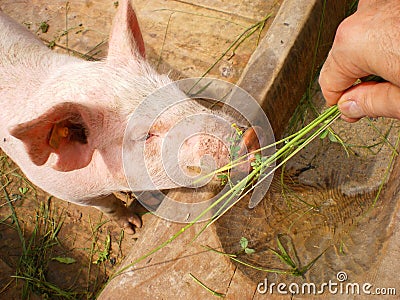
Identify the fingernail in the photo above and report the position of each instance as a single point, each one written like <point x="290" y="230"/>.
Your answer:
<point x="350" y="109"/>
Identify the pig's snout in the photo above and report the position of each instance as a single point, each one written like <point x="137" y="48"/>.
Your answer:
<point x="252" y="140"/>
<point x="202" y="154"/>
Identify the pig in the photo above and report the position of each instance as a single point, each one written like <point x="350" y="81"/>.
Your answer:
<point x="63" y="119"/>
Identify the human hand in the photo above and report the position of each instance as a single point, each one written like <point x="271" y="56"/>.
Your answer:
<point x="367" y="42"/>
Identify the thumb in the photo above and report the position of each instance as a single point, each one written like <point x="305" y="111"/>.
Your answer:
<point x="371" y="99"/>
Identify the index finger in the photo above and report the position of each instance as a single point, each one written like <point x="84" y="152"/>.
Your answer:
<point x="335" y="78"/>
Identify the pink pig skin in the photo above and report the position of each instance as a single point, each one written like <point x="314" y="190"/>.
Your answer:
<point x="39" y="88"/>
<point x="93" y="100"/>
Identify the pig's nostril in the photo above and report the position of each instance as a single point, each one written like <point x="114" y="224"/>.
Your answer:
<point x="253" y="139"/>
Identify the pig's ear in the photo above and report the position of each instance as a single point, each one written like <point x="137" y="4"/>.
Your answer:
<point x="65" y="130"/>
<point x="126" y="40"/>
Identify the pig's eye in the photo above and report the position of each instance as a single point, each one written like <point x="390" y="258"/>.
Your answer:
<point x="149" y="136"/>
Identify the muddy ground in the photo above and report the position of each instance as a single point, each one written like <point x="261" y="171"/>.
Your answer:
<point x="83" y="237"/>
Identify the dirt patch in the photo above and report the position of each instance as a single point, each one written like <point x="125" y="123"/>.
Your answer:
<point x="65" y="247"/>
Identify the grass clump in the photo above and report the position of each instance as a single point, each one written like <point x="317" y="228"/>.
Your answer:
<point x="286" y="253"/>
<point x="44" y="257"/>
<point x="37" y="251"/>
<point x="290" y="146"/>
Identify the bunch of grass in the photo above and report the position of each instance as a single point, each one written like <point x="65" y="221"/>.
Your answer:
<point x="264" y="167"/>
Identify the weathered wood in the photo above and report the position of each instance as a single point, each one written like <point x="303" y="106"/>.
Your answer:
<point x="285" y="62"/>
<point x="165" y="275"/>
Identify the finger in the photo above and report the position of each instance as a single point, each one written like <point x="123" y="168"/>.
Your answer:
<point x="371" y="99"/>
<point x="344" y="64"/>
<point x="350" y="120"/>
<point x="371" y="4"/>
<point x="334" y="79"/>
<point x="363" y="4"/>
<point x="362" y="46"/>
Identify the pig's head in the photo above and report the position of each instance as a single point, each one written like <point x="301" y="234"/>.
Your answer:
<point x="103" y="107"/>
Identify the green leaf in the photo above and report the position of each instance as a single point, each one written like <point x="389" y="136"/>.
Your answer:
<point x="104" y="254"/>
<point x="23" y="190"/>
<point x="323" y="134"/>
<point x="332" y="137"/>
<point x="44" y="27"/>
<point x="244" y="243"/>
<point x="234" y="151"/>
<point x="222" y="176"/>
<point x="284" y="256"/>
<point x="64" y="260"/>
<point x="341" y="248"/>
<point x="249" y="250"/>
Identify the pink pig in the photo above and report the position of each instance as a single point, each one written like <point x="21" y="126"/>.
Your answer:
<point x="63" y="119"/>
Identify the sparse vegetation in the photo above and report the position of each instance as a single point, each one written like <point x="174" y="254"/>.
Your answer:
<point x="286" y="256"/>
<point x="244" y="244"/>
<point x="32" y="232"/>
<point x="212" y="292"/>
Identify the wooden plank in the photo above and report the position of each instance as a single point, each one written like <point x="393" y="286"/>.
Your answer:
<point x="281" y="68"/>
<point x="165" y="275"/>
